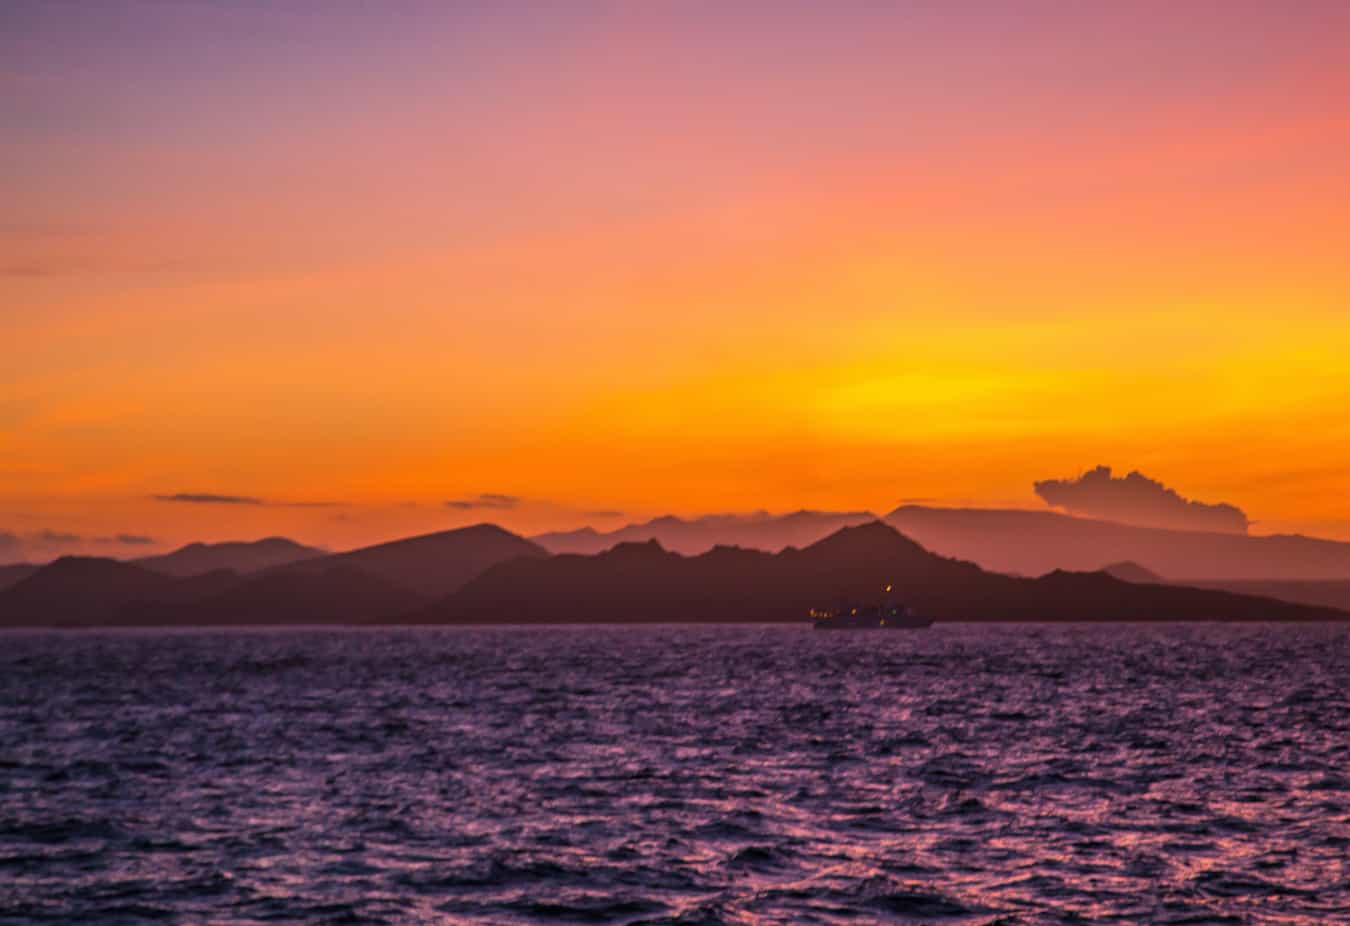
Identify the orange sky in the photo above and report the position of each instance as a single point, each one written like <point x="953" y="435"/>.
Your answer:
<point x="640" y="263"/>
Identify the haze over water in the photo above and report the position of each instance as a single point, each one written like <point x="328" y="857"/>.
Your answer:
<point x="1011" y="775"/>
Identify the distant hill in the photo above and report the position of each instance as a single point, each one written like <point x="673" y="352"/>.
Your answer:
<point x="373" y="583"/>
<point x="630" y="582"/>
<point x="1329" y="594"/>
<point x="1326" y="594"/>
<point x="86" y="590"/>
<point x="1035" y="542"/>
<point x="193" y="588"/>
<point x="757" y="531"/>
<point x="644" y="583"/>
<point x="241" y="556"/>
<point x="341" y="594"/>
<point x="1132" y="572"/>
<point x="16" y="572"/>
<point x="430" y="565"/>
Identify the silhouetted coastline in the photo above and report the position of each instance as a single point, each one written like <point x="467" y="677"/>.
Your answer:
<point x="484" y="574"/>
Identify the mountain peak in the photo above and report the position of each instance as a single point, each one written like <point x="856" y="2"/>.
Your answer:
<point x="484" y="528"/>
<point x="1033" y="542"/>
<point x="1130" y="571"/>
<point x="433" y="564"/>
<point x="757" y="530"/>
<point x="640" y="582"/>
<point x="83" y="565"/>
<point x="638" y="548"/>
<point x="240" y="555"/>
<point x="870" y="537"/>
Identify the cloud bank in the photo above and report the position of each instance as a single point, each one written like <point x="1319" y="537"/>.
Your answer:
<point x="43" y="544"/>
<point x="210" y="498"/>
<point x="129" y="540"/>
<point x="1137" y="499"/>
<point x="55" y="538"/>
<point x="204" y="498"/>
<point x="491" y="500"/>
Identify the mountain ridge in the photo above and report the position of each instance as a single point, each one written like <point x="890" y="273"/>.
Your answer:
<point x="240" y="555"/>
<point x="431" y="565"/>
<point x="339" y="595"/>
<point x="14" y="573"/>
<point x="643" y="583"/>
<point x="1031" y="542"/>
<point x="370" y="583"/>
<point x="493" y="576"/>
<point x="690" y="536"/>
<point x="91" y="591"/>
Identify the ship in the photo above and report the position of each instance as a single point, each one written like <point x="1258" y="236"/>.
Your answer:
<point x="885" y="616"/>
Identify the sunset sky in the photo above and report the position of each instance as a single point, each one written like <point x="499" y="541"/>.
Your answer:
<point x="338" y="264"/>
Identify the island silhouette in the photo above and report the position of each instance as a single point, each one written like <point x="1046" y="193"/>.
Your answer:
<point x="758" y="530"/>
<point x="643" y="582"/>
<point x="1029" y="542"/>
<point x="486" y="574"/>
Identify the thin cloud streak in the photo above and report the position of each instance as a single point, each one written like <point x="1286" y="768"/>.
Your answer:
<point x="129" y="540"/>
<point x="56" y="537"/>
<point x="203" y="498"/>
<point x="489" y="500"/>
<point x="207" y="498"/>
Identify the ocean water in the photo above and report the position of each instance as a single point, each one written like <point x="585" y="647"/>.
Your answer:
<point x="696" y="775"/>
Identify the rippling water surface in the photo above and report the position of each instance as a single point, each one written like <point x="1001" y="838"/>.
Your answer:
<point x="1015" y="774"/>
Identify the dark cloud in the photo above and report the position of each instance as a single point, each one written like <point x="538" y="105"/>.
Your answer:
<point x="130" y="540"/>
<point x="203" y="498"/>
<point x="1137" y="499"/>
<point x="206" y="498"/>
<point x="485" y="500"/>
<point x="55" y="538"/>
<point x="13" y="545"/>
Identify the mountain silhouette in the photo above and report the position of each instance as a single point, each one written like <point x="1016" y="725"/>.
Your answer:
<point x="15" y="573"/>
<point x="1128" y="571"/>
<point x="1035" y="542"/>
<point x="758" y="531"/>
<point x="340" y="594"/>
<point x="430" y="565"/>
<point x="1326" y="594"/>
<point x="642" y="582"/>
<point x="87" y="590"/>
<point x="629" y="582"/>
<point x="241" y="556"/>
<point x="372" y="583"/>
